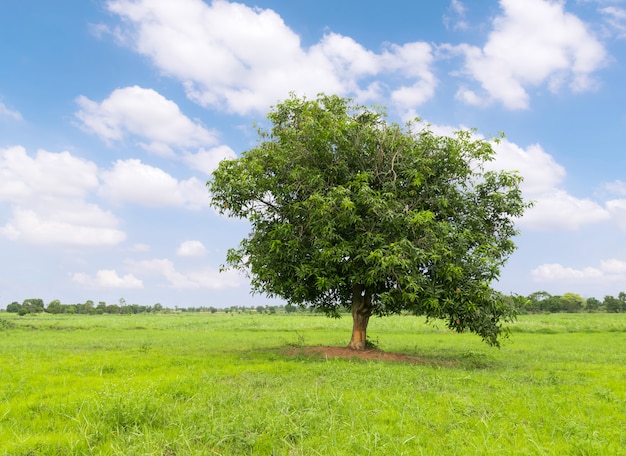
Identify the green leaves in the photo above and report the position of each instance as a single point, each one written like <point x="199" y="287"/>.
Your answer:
<point x="338" y="197"/>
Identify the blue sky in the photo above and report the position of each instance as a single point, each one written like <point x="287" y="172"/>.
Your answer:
<point x="114" y="113"/>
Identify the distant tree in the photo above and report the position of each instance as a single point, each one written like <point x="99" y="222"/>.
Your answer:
<point x="158" y="307"/>
<point x="113" y="309"/>
<point x="349" y="211"/>
<point x="622" y="297"/>
<point x="290" y="308"/>
<point x="592" y="305"/>
<point x="14" y="307"/>
<point x="33" y="305"/>
<point x="54" y="307"/>
<point x="612" y="304"/>
<point x="89" y="307"/>
<point x="538" y="301"/>
<point x="520" y="303"/>
<point x="572" y="302"/>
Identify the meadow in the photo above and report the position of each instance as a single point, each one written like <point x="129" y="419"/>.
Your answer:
<point x="202" y="384"/>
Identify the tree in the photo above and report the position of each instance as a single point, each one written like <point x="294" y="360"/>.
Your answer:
<point x="612" y="304"/>
<point x="348" y="210"/>
<point x="89" y="307"/>
<point x="33" y="305"/>
<point x="572" y="302"/>
<point x="54" y="307"/>
<point x="538" y="301"/>
<point x="592" y="304"/>
<point x="14" y="307"/>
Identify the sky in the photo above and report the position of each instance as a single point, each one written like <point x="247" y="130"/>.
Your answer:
<point x="113" y="114"/>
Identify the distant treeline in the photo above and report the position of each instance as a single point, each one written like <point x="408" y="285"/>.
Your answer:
<point x="544" y="302"/>
<point x="36" y="305"/>
<point x="538" y="302"/>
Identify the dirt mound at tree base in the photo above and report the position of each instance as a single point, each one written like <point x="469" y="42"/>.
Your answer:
<point x="369" y="354"/>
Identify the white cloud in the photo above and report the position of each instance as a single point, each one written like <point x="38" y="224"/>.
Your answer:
<point x="47" y="175"/>
<point x="413" y="61"/>
<point x="533" y="43"/>
<point x="554" y="208"/>
<point x="48" y="195"/>
<point x="79" y="225"/>
<point x="207" y="278"/>
<point x="146" y="114"/>
<point x="107" y="278"/>
<point x="617" y="208"/>
<point x="616" y="18"/>
<point x="130" y="181"/>
<point x="11" y="114"/>
<point x="612" y="270"/>
<point x="470" y="97"/>
<point x="557" y="210"/>
<point x="243" y="59"/>
<point x="541" y="172"/>
<point x="208" y="160"/>
<point x="191" y="249"/>
<point x="455" y="18"/>
<point x="140" y="248"/>
<point x="617" y="187"/>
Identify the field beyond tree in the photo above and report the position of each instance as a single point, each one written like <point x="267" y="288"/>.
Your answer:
<point x="194" y="383"/>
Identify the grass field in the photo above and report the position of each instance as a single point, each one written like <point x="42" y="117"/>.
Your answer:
<point x="195" y="384"/>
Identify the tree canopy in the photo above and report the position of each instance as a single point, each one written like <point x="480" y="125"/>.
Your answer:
<point x="350" y="211"/>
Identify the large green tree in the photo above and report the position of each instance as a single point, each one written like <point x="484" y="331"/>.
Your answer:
<point x="350" y="211"/>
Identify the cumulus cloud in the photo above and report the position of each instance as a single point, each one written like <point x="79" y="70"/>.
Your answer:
<point x="145" y="114"/>
<point x="78" y="225"/>
<point x="47" y="194"/>
<point x="243" y="59"/>
<point x="541" y="172"/>
<point x="207" y="160"/>
<point x="131" y="181"/>
<point x="533" y="43"/>
<point x="207" y="278"/>
<point x="107" y="278"/>
<point x="558" y="210"/>
<point x="46" y="175"/>
<point x="9" y="113"/>
<point x="191" y="249"/>
<point x="609" y="271"/>
<point x="554" y="208"/>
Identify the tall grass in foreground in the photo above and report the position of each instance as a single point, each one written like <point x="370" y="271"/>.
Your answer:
<point x="199" y="384"/>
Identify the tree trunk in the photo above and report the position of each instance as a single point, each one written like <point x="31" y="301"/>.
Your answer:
<point x="361" y="312"/>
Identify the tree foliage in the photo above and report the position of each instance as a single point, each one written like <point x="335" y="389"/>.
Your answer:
<point x="348" y="210"/>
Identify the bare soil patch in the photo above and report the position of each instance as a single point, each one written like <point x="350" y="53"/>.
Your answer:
<point x="369" y="354"/>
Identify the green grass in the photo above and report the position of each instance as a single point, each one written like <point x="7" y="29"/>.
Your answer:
<point x="197" y="384"/>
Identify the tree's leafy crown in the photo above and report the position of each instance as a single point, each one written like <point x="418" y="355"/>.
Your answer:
<point x="337" y="196"/>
